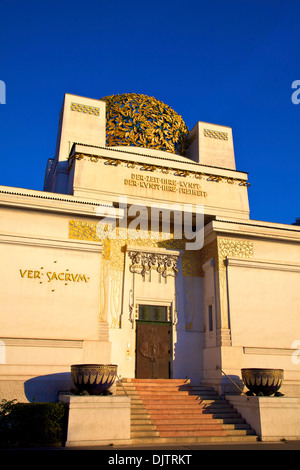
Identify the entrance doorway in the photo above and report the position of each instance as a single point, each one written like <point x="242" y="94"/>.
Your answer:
<point x="153" y="343"/>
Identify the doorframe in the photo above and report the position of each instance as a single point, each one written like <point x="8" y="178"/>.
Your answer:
<point x="170" y="322"/>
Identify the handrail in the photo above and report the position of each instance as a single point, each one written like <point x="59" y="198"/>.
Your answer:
<point x="122" y="385"/>
<point x="236" y="385"/>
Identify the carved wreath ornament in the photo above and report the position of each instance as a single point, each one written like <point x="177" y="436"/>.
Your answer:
<point x="142" y="263"/>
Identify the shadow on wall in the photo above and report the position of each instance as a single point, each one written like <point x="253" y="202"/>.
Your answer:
<point x="232" y="385"/>
<point x="45" y="388"/>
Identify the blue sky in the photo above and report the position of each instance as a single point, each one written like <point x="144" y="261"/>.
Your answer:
<point x="228" y="62"/>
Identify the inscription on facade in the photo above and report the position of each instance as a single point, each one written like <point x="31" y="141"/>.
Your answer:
<point x="50" y="276"/>
<point x="164" y="184"/>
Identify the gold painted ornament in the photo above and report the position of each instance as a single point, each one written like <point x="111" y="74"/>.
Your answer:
<point x="138" y="120"/>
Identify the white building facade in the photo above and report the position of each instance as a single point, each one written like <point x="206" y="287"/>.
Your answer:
<point x="141" y="252"/>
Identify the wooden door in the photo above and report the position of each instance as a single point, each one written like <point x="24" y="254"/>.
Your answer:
<point x="153" y="344"/>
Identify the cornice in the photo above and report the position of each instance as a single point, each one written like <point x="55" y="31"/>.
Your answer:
<point x="155" y="163"/>
<point x="253" y="228"/>
<point x="153" y="154"/>
<point x="66" y="244"/>
<point x="39" y="200"/>
<point x="263" y="264"/>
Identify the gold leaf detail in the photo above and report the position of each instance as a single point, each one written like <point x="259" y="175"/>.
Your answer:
<point x="143" y="121"/>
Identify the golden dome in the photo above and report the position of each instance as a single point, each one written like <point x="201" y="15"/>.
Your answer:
<point x="143" y="121"/>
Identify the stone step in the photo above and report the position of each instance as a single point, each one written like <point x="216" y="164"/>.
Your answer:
<point x="228" y="415"/>
<point x="141" y="419"/>
<point x="139" y="412"/>
<point x="137" y="406"/>
<point x="193" y="417"/>
<point x="182" y="395"/>
<point x="238" y="427"/>
<point x="126" y="391"/>
<point x="177" y="407"/>
<point x="136" y="421"/>
<point x="205" y="432"/>
<point x="174" y="411"/>
<point x="195" y="407"/>
<point x="180" y="399"/>
<point x="190" y="412"/>
<point x="170" y="387"/>
<point x="153" y="382"/>
<point x="123" y="385"/>
<point x="227" y="418"/>
<point x="201" y="427"/>
<point x="156" y="441"/>
<point x="144" y="434"/>
<point x="142" y="427"/>
<point x="129" y="392"/>
<point x="196" y="421"/>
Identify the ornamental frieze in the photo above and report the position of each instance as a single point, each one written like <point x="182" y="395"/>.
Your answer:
<point x="113" y="250"/>
<point x="235" y="248"/>
<point x="199" y="175"/>
<point x="142" y="263"/>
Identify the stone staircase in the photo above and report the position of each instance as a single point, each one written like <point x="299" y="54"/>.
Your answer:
<point x="174" y="411"/>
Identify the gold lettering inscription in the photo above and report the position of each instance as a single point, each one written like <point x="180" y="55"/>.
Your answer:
<point x="164" y="184"/>
<point x="53" y="276"/>
<point x="29" y="274"/>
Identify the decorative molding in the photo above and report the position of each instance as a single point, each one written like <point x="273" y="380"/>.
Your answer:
<point x="50" y="243"/>
<point x="80" y="230"/>
<point x="215" y="134"/>
<point x="223" y="337"/>
<point x="264" y="264"/>
<point x="31" y="193"/>
<point x="42" y="343"/>
<point x="114" y="249"/>
<point x="269" y="351"/>
<point x="159" y="168"/>
<point x="143" y="262"/>
<point x="82" y="108"/>
<point x="228" y="247"/>
<point x="192" y="261"/>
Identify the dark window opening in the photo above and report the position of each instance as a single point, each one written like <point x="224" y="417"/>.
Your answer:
<point x="153" y="313"/>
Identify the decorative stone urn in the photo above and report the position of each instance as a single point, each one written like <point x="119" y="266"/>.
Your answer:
<point x="93" y="379"/>
<point x="263" y="382"/>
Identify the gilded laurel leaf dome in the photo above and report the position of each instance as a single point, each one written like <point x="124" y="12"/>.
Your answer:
<point x="143" y="121"/>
